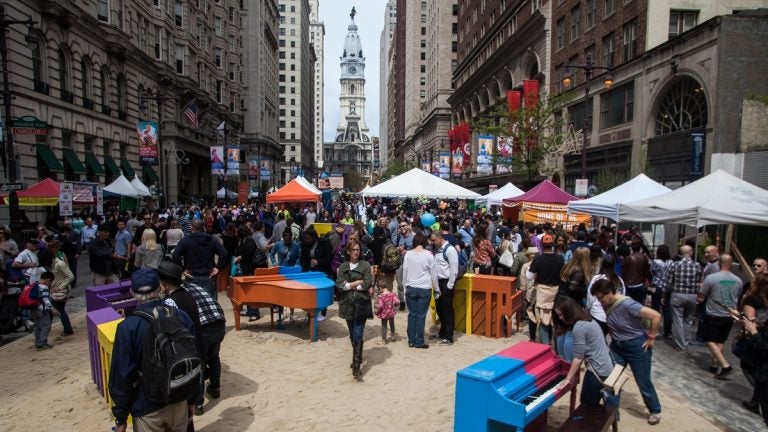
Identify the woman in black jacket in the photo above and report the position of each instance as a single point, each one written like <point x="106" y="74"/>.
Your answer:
<point x="316" y="253"/>
<point x="758" y="336"/>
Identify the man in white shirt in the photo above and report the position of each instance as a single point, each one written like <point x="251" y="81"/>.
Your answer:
<point x="27" y="262"/>
<point x="309" y="218"/>
<point x="447" y="263"/>
<point x="89" y="233"/>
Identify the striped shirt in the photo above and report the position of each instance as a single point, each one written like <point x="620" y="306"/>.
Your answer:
<point x="683" y="276"/>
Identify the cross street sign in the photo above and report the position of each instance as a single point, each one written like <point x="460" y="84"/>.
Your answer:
<point x="8" y="187"/>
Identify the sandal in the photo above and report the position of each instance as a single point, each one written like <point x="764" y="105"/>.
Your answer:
<point x="654" y="419"/>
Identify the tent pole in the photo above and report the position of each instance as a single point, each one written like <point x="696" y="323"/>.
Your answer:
<point x="696" y="250"/>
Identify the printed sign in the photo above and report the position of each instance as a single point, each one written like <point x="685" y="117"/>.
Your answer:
<point x="697" y="154"/>
<point x="99" y="201"/>
<point x="336" y="180"/>
<point x="444" y="164"/>
<point x="253" y="169"/>
<point x="148" y="149"/>
<point x="484" y="153"/>
<point x="217" y="161"/>
<point x="65" y="199"/>
<point x="503" y="155"/>
<point x="265" y="169"/>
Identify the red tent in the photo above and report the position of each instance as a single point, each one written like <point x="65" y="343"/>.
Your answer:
<point x="544" y="203"/>
<point x="293" y="192"/>
<point x="44" y="193"/>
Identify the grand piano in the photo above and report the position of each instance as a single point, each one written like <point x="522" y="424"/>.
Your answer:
<point x="283" y="286"/>
<point x="510" y="390"/>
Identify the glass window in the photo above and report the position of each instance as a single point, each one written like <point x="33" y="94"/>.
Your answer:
<point x="617" y="106"/>
<point x="630" y="45"/>
<point x="218" y="25"/>
<point x="102" y="10"/>
<point x="560" y="33"/>
<point x="575" y="23"/>
<point x="681" y="21"/>
<point x="178" y="9"/>
<point x="104" y="87"/>
<point x="591" y="13"/>
<point x="608" y="50"/>
<point x="610" y="7"/>
<point x="63" y="72"/>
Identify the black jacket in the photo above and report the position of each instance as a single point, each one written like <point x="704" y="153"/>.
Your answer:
<point x="100" y="256"/>
<point x="246" y="249"/>
<point x="323" y="255"/>
<point x="196" y="253"/>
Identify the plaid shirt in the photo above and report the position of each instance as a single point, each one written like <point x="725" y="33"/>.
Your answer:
<point x="209" y="309"/>
<point x="683" y="277"/>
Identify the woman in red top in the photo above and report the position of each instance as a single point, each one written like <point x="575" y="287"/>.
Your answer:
<point x="483" y="250"/>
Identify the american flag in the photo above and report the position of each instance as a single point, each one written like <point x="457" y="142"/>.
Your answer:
<point x="191" y="112"/>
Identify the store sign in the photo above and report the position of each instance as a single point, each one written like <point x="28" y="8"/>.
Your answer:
<point x="29" y="125"/>
<point x="65" y="199"/>
<point x="582" y="187"/>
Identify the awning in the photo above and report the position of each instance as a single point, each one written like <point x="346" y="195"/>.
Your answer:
<point x="127" y="169"/>
<point x="150" y="174"/>
<point x="49" y="159"/>
<point x="112" y="168"/>
<point x="71" y="159"/>
<point x="93" y="163"/>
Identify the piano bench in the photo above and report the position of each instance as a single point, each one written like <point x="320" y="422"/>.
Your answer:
<point x="592" y="419"/>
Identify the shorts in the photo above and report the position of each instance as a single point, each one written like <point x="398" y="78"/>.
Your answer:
<point x="716" y="329"/>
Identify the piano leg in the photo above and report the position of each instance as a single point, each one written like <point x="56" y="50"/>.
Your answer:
<point x="236" y="308"/>
<point x="312" y="325"/>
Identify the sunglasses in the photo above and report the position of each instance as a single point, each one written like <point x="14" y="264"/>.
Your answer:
<point x="403" y="226"/>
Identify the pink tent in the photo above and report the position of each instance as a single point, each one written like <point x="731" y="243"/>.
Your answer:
<point x="544" y="203"/>
<point x="545" y="192"/>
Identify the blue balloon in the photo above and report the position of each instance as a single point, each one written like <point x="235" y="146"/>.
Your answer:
<point x="427" y="220"/>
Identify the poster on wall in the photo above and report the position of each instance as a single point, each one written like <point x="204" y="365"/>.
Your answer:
<point x="253" y="169"/>
<point x="323" y="181"/>
<point x="233" y="161"/>
<point x="445" y="163"/>
<point x="217" y="160"/>
<point x="504" y="155"/>
<point x="336" y="180"/>
<point x="99" y="201"/>
<point x="484" y="153"/>
<point x="65" y="199"/>
<point x="147" y="134"/>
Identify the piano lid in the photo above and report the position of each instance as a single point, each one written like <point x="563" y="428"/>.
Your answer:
<point x="517" y="356"/>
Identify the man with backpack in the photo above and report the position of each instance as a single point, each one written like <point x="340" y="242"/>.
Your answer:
<point x="447" y="265"/>
<point x="144" y="378"/>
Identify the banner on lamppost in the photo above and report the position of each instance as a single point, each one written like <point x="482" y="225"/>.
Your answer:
<point x="445" y="164"/>
<point x="217" y="161"/>
<point x="336" y="180"/>
<point x="323" y="180"/>
<point x="65" y="199"/>
<point x="148" y="149"/>
<point x="233" y="161"/>
<point x="435" y="166"/>
<point x="426" y="165"/>
<point x="484" y="153"/>
<point x="503" y="154"/>
<point x="697" y="154"/>
<point x="265" y="167"/>
<point x="99" y="201"/>
<point x="253" y="169"/>
<point x="457" y="153"/>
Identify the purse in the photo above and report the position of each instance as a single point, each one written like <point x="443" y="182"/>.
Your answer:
<point x="742" y="348"/>
<point x="615" y="380"/>
<point x="507" y="259"/>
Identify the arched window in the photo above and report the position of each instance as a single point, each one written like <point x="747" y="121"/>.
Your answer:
<point x="37" y="47"/>
<point x="85" y="80"/>
<point x="105" y="87"/>
<point x="683" y="108"/>
<point x="66" y="94"/>
<point x="352" y="154"/>
<point x="352" y="89"/>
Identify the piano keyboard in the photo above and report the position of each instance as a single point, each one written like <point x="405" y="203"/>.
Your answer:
<point x="536" y="399"/>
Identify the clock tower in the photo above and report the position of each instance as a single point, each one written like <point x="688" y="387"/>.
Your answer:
<point x="352" y="127"/>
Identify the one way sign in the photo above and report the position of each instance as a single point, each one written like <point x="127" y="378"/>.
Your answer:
<point x="9" y="187"/>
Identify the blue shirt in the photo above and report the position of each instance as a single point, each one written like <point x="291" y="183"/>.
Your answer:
<point x="284" y="255"/>
<point x="123" y="243"/>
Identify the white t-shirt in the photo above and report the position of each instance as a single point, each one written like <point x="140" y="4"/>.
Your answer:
<point x="31" y="274"/>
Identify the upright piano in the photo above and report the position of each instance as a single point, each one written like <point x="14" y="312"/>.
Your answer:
<point x="115" y="295"/>
<point x="509" y="390"/>
<point x="283" y="286"/>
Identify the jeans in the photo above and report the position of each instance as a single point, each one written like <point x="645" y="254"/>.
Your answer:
<point x="211" y="336"/>
<point x="208" y="284"/>
<point x="591" y="389"/>
<point x="564" y="346"/>
<point x="59" y="306"/>
<point x="761" y="391"/>
<point x="666" y="313"/>
<point x="631" y="352"/>
<point x="545" y="334"/>
<point x="445" y="310"/>
<point x="356" y="329"/>
<point x="417" y="300"/>
<point x="42" y="326"/>
<point x="683" y="307"/>
<point x="384" y="323"/>
<point x="638" y="293"/>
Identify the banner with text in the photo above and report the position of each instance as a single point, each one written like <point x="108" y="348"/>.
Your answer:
<point x="445" y="163"/>
<point x="253" y="169"/>
<point x="65" y="199"/>
<point x="504" y="155"/>
<point x="265" y="169"/>
<point x="148" y="151"/>
<point x="217" y="161"/>
<point x="484" y="154"/>
<point x="233" y="161"/>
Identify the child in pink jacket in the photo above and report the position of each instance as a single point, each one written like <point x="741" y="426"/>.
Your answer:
<point x="386" y="308"/>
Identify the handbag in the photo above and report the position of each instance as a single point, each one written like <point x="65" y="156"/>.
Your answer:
<point x="507" y="259"/>
<point x="615" y="380"/>
<point x="742" y="348"/>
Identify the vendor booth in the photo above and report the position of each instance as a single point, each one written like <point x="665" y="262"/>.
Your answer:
<point x="607" y="203"/>
<point x="496" y="197"/>
<point x="44" y="194"/>
<point x="297" y="190"/>
<point x="417" y="183"/>
<point x="545" y="203"/>
<point x="121" y="186"/>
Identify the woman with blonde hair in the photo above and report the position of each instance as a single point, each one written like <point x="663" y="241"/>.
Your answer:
<point x="149" y="254"/>
<point x="575" y="276"/>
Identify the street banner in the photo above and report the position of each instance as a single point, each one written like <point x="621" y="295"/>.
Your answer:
<point x="233" y="161"/>
<point x="147" y="135"/>
<point x="336" y="180"/>
<point x="457" y="153"/>
<point x="265" y="169"/>
<point x="426" y="165"/>
<point x="697" y="155"/>
<point x="65" y="199"/>
<point x="323" y="180"/>
<point x="503" y="155"/>
<point x="217" y="162"/>
<point x="466" y="143"/>
<point x="484" y="153"/>
<point x="253" y="169"/>
<point x="445" y="163"/>
<point x="99" y="201"/>
<point x="82" y="193"/>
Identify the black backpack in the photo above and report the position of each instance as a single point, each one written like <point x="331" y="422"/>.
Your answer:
<point x="171" y="370"/>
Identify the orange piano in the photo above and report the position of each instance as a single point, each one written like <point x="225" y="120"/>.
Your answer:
<point x="283" y="286"/>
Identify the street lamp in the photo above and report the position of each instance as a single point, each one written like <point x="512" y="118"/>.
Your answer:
<point x="10" y="160"/>
<point x="165" y="155"/>
<point x="588" y="67"/>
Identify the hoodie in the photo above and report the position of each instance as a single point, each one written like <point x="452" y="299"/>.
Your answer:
<point x="196" y="253"/>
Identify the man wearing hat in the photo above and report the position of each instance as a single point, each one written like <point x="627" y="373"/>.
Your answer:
<point x="545" y="272"/>
<point x="124" y="386"/>
<point x="209" y="323"/>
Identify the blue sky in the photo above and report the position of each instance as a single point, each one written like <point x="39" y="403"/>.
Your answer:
<point x="370" y="22"/>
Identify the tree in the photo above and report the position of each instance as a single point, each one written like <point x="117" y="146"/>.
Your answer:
<point x="535" y="132"/>
<point x="353" y="180"/>
<point x="394" y="168"/>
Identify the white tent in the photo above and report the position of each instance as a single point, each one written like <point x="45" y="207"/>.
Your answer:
<point x="230" y="194"/>
<point x="141" y="187"/>
<point x="718" y="198"/>
<point x="418" y="183"/>
<point x="607" y="203"/>
<point x="494" y="198"/>
<point x="307" y="184"/>
<point x="121" y="186"/>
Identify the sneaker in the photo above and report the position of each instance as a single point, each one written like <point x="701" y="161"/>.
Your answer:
<point x="44" y="347"/>
<point x="214" y="392"/>
<point x="199" y="410"/>
<point x="422" y="346"/>
<point x="714" y="369"/>
<point x="320" y="318"/>
<point x="446" y="342"/>
<point x="29" y="325"/>
<point x="724" y="372"/>
<point x="394" y="337"/>
<point x="654" y="419"/>
<point x="253" y="318"/>
<point x="402" y="307"/>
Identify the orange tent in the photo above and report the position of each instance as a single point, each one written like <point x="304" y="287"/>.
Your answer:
<point x="293" y="192"/>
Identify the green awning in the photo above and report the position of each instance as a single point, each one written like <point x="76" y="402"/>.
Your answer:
<point x="150" y="174"/>
<point x="94" y="164"/>
<point x="112" y="168"/>
<point x="71" y="159"/>
<point x="127" y="169"/>
<point x="49" y="159"/>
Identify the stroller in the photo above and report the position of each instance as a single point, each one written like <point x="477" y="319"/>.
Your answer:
<point x="11" y="319"/>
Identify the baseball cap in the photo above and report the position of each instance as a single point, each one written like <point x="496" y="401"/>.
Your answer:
<point x="144" y="281"/>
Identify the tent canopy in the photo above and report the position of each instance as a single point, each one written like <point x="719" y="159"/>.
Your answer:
<point x="121" y="186"/>
<point x="294" y="191"/>
<point x="139" y="186"/>
<point x="44" y="193"/>
<point x="307" y="184"/>
<point x="230" y="194"/>
<point x="495" y="198"/>
<point x="545" y="192"/>
<point x="418" y="183"/>
<point x="718" y="198"/>
<point x="607" y="203"/>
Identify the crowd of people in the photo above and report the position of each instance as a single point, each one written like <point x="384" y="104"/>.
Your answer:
<point x="599" y="297"/>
